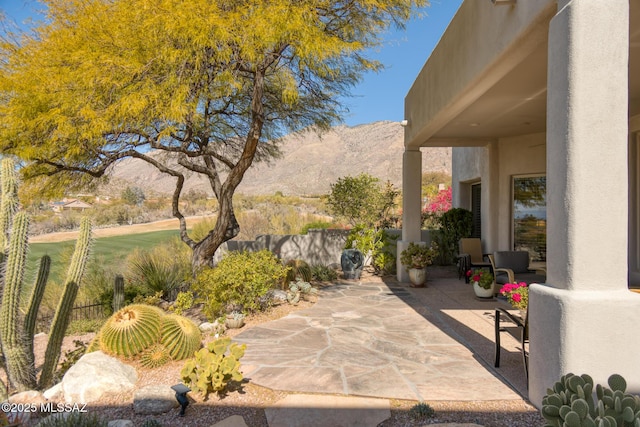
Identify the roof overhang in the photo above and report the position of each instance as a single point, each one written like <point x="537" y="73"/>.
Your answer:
<point x="487" y="78"/>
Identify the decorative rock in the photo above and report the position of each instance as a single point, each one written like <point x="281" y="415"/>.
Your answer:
<point x="208" y="326"/>
<point x="95" y="376"/>
<point x="120" y="423"/>
<point x="278" y="296"/>
<point x="232" y="421"/>
<point x="30" y="396"/>
<point x="154" y="399"/>
<point x="54" y="393"/>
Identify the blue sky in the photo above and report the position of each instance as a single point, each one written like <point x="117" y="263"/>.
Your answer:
<point x="380" y="96"/>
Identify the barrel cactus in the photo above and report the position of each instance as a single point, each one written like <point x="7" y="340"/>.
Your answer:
<point x="131" y="330"/>
<point x="180" y="336"/>
<point x="155" y="356"/>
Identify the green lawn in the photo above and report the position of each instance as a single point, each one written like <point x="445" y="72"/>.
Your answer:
<point x="109" y="251"/>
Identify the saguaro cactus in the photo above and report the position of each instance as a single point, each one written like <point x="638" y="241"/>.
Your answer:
<point x="16" y="330"/>
<point x="17" y="359"/>
<point x="61" y="317"/>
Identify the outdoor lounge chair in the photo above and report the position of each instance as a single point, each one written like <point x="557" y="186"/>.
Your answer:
<point x="513" y="267"/>
<point x="519" y="329"/>
<point x="471" y="256"/>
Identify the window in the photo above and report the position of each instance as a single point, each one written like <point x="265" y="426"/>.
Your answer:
<point x="476" y="190"/>
<point x="530" y="216"/>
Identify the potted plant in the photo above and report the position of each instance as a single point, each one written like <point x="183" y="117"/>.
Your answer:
<point x="234" y="320"/>
<point x="482" y="281"/>
<point x="518" y="296"/>
<point x="416" y="258"/>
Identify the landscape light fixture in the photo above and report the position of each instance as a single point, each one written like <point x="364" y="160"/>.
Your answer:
<point x="502" y="2"/>
<point x="181" y="396"/>
<point x="405" y="122"/>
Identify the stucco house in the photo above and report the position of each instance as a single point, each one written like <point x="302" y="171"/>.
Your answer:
<point x="541" y="101"/>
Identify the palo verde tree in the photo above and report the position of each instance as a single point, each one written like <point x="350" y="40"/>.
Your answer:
<point x="199" y="86"/>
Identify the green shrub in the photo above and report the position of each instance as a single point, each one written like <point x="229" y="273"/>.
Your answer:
<point x="131" y="293"/>
<point x="374" y="245"/>
<point x="162" y="269"/>
<point x="315" y="225"/>
<point x="384" y="263"/>
<point x="83" y="326"/>
<point x="454" y="224"/>
<point x="213" y="367"/>
<point x="322" y="273"/>
<point x="240" y="279"/>
<point x="421" y="411"/>
<point x="183" y="302"/>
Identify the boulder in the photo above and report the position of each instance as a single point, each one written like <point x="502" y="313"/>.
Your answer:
<point x="154" y="399"/>
<point x="212" y="327"/>
<point x="95" y="376"/>
<point x="30" y="396"/>
<point x="54" y="393"/>
<point x="278" y="296"/>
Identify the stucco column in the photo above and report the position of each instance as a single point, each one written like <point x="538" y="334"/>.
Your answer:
<point x="411" y="205"/>
<point x="585" y="320"/>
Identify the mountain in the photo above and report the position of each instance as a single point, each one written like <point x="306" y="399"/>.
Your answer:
<point x="309" y="163"/>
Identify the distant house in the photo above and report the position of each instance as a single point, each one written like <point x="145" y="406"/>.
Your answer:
<point x="70" y="205"/>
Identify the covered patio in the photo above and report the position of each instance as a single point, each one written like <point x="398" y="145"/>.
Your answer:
<point x="546" y="90"/>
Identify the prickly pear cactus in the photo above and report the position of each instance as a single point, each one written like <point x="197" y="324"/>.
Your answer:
<point x="180" y="336"/>
<point x="131" y="330"/>
<point x="214" y="367"/>
<point x="570" y="403"/>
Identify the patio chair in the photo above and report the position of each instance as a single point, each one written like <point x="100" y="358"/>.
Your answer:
<point x="513" y="267"/>
<point x="471" y="256"/>
<point x="519" y="329"/>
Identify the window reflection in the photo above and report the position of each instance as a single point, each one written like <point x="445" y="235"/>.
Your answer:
<point x="530" y="216"/>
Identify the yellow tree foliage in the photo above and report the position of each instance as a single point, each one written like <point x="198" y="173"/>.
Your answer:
<point x="209" y="83"/>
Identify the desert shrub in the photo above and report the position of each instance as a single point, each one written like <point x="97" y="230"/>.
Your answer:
<point x="315" y="225"/>
<point x="183" y="302"/>
<point x="454" y="224"/>
<point x="83" y="326"/>
<point x="162" y="269"/>
<point x="322" y="273"/>
<point x="153" y="299"/>
<point x="421" y="411"/>
<point x="132" y="292"/>
<point x="240" y="279"/>
<point x="384" y="263"/>
<point x="200" y="229"/>
<point x="73" y="419"/>
<point x="374" y="243"/>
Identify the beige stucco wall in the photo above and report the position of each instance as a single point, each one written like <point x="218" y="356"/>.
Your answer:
<point x="471" y="64"/>
<point x="494" y="165"/>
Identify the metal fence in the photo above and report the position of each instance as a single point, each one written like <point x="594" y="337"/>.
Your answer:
<point x="79" y="312"/>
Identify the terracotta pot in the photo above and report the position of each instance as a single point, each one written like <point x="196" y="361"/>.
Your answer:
<point x="418" y="276"/>
<point x="482" y="292"/>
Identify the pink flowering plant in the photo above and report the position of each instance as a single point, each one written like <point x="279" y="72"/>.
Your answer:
<point x="517" y="294"/>
<point x="482" y="276"/>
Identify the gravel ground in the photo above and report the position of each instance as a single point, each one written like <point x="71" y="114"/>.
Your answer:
<point x="249" y="400"/>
